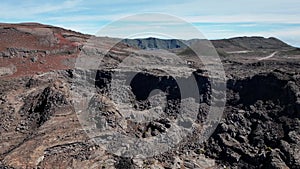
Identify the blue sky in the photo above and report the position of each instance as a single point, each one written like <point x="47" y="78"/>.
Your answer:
<point x="216" y="19"/>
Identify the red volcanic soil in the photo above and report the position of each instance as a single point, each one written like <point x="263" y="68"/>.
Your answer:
<point x="29" y="48"/>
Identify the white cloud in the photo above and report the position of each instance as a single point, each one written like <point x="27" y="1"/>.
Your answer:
<point x="247" y="25"/>
<point x="240" y="18"/>
<point x="85" y="18"/>
<point x="30" y="11"/>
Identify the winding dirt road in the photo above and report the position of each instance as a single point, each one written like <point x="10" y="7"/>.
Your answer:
<point x="269" y="56"/>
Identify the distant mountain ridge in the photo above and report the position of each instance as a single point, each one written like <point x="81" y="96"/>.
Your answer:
<point x="155" y="43"/>
<point x="232" y="44"/>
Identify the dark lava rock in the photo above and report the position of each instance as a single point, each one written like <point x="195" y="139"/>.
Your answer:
<point x="266" y="135"/>
<point x="124" y="163"/>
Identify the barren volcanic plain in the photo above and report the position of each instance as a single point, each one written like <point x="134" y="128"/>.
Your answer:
<point x="39" y="126"/>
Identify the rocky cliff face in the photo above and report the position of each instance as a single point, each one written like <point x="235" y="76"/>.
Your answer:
<point x="40" y="128"/>
<point x="154" y="43"/>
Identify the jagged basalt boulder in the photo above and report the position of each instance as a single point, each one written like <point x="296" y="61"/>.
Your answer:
<point x="39" y="108"/>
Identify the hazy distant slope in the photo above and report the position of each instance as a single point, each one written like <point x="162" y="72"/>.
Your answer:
<point x="250" y="43"/>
